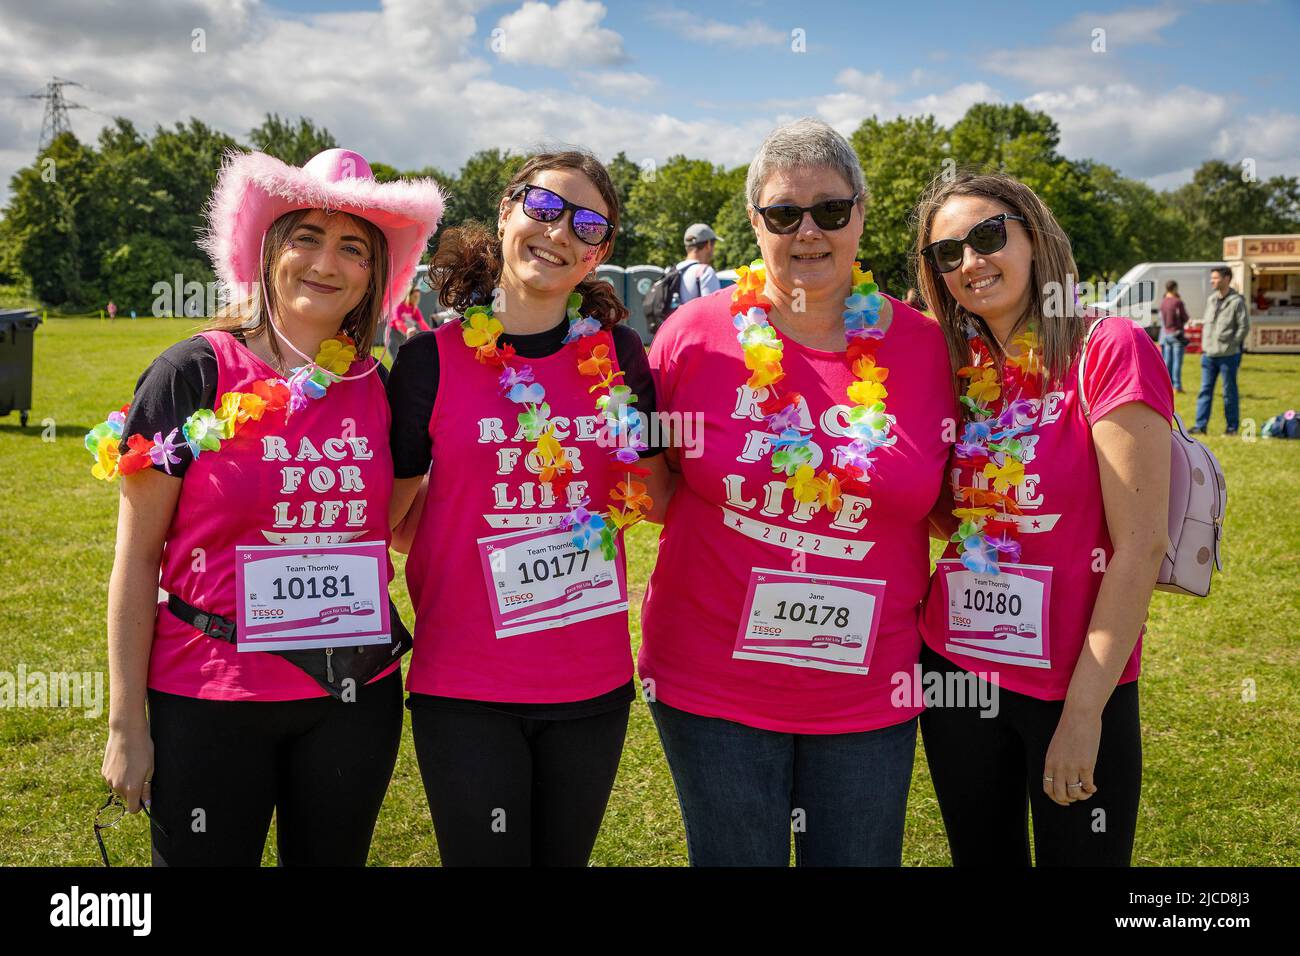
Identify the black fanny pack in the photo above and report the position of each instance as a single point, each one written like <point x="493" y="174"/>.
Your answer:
<point x="331" y="667"/>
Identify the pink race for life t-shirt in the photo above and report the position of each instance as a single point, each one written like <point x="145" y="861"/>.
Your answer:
<point x="485" y="482"/>
<point x="261" y="488"/>
<point x="1064" y="517"/>
<point x="731" y="513"/>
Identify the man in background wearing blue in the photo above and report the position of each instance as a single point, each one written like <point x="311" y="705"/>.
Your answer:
<point x="698" y="277"/>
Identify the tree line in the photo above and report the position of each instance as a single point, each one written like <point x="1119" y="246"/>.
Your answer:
<point x="86" y="223"/>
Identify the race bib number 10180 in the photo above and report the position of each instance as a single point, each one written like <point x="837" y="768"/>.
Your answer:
<point x="998" y="617"/>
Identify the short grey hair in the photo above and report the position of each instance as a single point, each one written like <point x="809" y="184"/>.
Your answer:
<point x="804" y="143"/>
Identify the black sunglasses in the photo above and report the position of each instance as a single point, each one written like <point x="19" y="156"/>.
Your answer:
<point x="985" y="237"/>
<point x="544" y="205"/>
<point x="110" y="815"/>
<point x="829" y="214"/>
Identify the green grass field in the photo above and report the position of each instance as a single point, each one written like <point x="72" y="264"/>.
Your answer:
<point x="1221" y="778"/>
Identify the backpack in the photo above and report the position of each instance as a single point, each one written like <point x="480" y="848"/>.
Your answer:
<point x="1286" y="425"/>
<point x="664" y="297"/>
<point x="1198" y="496"/>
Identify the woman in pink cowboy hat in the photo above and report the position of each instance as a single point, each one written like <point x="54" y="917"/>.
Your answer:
<point x="258" y="480"/>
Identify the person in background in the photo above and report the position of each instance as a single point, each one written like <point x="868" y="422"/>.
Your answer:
<point x="1173" y="340"/>
<point x="698" y="277"/>
<point x="1223" y="334"/>
<point x="409" y="319"/>
<point x="913" y="298"/>
<point x="406" y="320"/>
<point x="112" y="310"/>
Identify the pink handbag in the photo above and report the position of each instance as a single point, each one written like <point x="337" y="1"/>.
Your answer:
<point x="1198" y="496"/>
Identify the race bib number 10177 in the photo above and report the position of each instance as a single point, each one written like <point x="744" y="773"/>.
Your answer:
<point x="539" y="579"/>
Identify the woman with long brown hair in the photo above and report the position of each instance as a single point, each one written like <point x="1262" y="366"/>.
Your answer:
<point x="1057" y="535"/>
<point x="523" y="416"/>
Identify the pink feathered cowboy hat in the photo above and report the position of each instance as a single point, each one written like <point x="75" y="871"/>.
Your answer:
<point x="254" y="189"/>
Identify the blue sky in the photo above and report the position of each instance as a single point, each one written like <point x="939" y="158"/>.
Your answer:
<point x="1255" y="44"/>
<point x="415" y="82"/>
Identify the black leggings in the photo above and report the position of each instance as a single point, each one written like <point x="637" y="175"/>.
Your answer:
<point x="512" y="791"/>
<point x="988" y="772"/>
<point x="221" y="767"/>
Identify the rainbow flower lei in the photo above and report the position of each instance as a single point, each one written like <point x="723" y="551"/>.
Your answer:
<point x="995" y="446"/>
<point x="207" y="428"/>
<point x="628" y="498"/>
<point x="869" y="423"/>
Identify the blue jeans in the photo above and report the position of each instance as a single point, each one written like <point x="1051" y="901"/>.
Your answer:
<point x="742" y="790"/>
<point x="1211" y="366"/>
<point x="1172" y="347"/>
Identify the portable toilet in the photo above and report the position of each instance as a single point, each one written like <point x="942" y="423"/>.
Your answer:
<point x="638" y="283"/>
<point x="615" y="276"/>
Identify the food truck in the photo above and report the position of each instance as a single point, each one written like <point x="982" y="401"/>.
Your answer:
<point x="1266" y="271"/>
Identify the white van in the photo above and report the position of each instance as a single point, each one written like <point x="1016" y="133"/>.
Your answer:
<point x="1139" y="292"/>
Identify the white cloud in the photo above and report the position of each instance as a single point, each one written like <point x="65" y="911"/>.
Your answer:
<point x="862" y="95"/>
<point x="691" y="26"/>
<point x="951" y="105"/>
<point x="1152" y="135"/>
<point x="1272" y="140"/>
<point x="558" y="36"/>
<point x="1140" y="132"/>
<point x="1131" y="27"/>
<point x="1086" y="46"/>
<point x="1050" y="66"/>
<point x="409" y="85"/>
<point x="115" y="28"/>
<point x="618" y="83"/>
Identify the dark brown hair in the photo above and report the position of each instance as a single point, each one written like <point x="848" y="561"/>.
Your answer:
<point x="362" y="323"/>
<point x="1052" y="266"/>
<point x="466" y="269"/>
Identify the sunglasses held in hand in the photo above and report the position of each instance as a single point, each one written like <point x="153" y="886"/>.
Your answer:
<point x="543" y="205"/>
<point x="829" y="214"/>
<point x="110" y="815"/>
<point x="986" y="238"/>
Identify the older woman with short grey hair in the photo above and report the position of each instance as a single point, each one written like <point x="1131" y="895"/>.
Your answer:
<point x="780" y="637"/>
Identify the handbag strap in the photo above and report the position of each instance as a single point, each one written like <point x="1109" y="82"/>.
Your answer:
<point x="1083" y="361"/>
